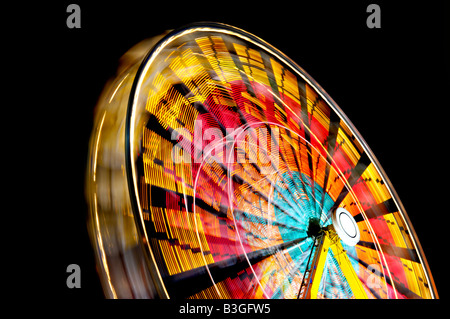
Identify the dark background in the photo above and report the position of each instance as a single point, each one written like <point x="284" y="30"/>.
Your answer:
<point x="391" y="82"/>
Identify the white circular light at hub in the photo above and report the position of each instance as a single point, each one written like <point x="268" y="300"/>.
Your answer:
<point x="345" y="226"/>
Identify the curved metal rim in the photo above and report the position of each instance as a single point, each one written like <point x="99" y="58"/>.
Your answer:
<point x="224" y="28"/>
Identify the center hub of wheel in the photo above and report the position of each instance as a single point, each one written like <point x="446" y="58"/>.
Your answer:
<point x="314" y="228"/>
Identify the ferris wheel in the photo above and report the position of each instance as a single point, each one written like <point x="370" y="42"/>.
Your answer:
<point x="219" y="168"/>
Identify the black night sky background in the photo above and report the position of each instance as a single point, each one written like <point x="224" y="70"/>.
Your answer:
<point x="392" y="83"/>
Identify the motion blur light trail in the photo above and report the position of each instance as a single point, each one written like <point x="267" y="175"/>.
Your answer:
<point x="216" y="165"/>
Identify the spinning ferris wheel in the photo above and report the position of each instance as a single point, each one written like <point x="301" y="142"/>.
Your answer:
<point x="220" y="169"/>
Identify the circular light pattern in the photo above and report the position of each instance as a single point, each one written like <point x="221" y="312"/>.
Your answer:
<point x="345" y="226"/>
<point x="220" y="169"/>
